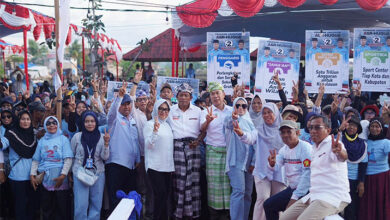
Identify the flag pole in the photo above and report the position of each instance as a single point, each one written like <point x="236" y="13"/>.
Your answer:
<point x="58" y="64"/>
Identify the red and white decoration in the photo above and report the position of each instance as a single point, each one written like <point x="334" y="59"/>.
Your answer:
<point x="202" y="13"/>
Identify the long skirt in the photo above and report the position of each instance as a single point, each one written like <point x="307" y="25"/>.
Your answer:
<point x="375" y="203"/>
<point x="218" y="185"/>
<point x="186" y="180"/>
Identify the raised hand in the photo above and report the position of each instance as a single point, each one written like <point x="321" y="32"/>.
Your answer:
<point x="106" y="137"/>
<point x="295" y="89"/>
<point x="80" y="84"/>
<point x="26" y="94"/>
<point x="237" y="129"/>
<point x="344" y="124"/>
<point x="385" y="109"/>
<point x="235" y="115"/>
<point x="336" y="145"/>
<point x="321" y="89"/>
<point x="156" y="125"/>
<point x="359" y="89"/>
<point x="72" y="103"/>
<point x="138" y="75"/>
<point x="275" y="77"/>
<point x="122" y="90"/>
<point x="272" y="158"/>
<point x="210" y="117"/>
<point x="335" y="103"/>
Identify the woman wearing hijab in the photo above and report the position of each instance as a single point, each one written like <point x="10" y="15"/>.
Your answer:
<point x="375" y="203"/>
<point x="22" y="142"/>
<point x="357" y="165"/>
<point x="255" y="109"/>
<point x="267" y="138"/>
<point x="7" y="121"/>
<point x="238" y="160"/>
<point x="159" y="163"/>
<point x="76" y="110"/>
<point x="89" y="148"/>
<point x="53" y="157"/>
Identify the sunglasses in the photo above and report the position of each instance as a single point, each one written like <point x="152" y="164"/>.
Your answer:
<point x="244" y="106"/>
<point x="6" y="116"/>
<point x="51" y="123"/>
<point x="163" y="109"/>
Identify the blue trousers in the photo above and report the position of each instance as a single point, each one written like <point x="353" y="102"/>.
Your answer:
<point x="88" y="199"/>
<point x="277" y="203"/>
<point x="241" y="197"/>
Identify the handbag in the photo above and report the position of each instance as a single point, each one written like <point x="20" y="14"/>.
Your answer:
<point x="87" y="176"/>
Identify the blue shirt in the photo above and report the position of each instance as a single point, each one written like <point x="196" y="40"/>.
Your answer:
<point x="360" y="49"/>
<point x="65" y="130"/>
<point x="243" y="52"/>
<point x="311" y="51"/>
<point x="294" y="63"/>
<point x="190" y="73"/>
<point x="353" y="169"/>
<point x="50" y="153"/>
<point x="343" y="52"/>
<point x="124" y="145"/>
<point x="264" y="59"/>
<point x="386" y="48"/>
<point x="378" y="152"/>
<point x="20" y="171"/>
<point x="213" y="53"/>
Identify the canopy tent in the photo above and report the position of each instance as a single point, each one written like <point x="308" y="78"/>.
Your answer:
<point x="277" y="22"/>
<point x="15" y="18"/>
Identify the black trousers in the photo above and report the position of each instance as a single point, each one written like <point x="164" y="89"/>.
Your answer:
<point x="55" y="204"/>
<point x="161" y="185"/>
<point x="119" y="178"/>
<point x="351" y="211"/>
<point x="25" y="199"/>
<point x="277" y="203"/>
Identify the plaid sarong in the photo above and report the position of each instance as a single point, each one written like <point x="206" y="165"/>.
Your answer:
<point x="186" y="180"/>
<point x="218" y="185"/>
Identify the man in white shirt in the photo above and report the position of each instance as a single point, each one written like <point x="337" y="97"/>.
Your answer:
<point x="218" y="185"/>
<point x="184" y="119"/>
<point x="329" y="186"/>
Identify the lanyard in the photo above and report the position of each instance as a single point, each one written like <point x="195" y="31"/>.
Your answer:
<point x="89" y="152"/>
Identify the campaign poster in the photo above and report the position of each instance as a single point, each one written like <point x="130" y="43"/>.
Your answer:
<point x="228" y="54"/>
<point x="371" y="59"/>
<point x="114" y="86"/>
<point x="175" y="82"/>
<point x="277" y="57"/>
<point x="327" y="59"/>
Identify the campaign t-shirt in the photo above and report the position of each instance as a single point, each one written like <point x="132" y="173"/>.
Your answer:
<point x="378" y="153"/>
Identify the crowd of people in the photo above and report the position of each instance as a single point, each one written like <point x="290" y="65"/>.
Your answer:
<point x="309" y="158"/>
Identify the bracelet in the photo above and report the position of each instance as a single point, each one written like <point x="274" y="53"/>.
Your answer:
<point x="135" y="83"/>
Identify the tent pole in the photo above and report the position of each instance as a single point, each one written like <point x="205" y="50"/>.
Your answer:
<point x="182" y="66"/>
<point x="102" y="64"/>
<point x="4" y="65"/>
<point x="58" y="64"/>
<point x="117" y="68"/>
<point x="177" y="58"/>
<point x="173" y="52"/>
<point x="25" y="58"/>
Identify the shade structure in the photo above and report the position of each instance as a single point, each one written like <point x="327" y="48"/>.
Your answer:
<point x="160" y="47"/>
<point x="283" y="23"/>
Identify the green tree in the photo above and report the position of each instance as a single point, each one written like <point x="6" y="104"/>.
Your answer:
<point x="75" y="51"/>
<point x="38" y="52"/>
<point x="125" y="64"/>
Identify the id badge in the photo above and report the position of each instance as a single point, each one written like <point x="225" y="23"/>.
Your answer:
<point x="89" y="163"/>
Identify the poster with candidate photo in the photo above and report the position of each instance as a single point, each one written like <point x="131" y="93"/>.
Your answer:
<point x="327" y="59"/>
<point x="277" y="57"/>
<point x="371" y="59"/>
<point x="228" y="54"/>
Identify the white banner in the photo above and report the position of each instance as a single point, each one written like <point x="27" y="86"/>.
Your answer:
<point x="175" y="82"/>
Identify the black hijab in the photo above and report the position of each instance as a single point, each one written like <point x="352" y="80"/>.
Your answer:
<point x="382" y="134"/>
<point x="22" y="141"/>
<point x="89" y="139"/>
<point x="79" y="120"/>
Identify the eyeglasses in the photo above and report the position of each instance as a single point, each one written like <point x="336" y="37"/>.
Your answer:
<point x="163" y="109"/>
<point x="315" y="127"/>
<point x="6" y="116"/>
<point x="244" y="106"/>
<point x="369" y="113"/>
<point x="51" y="123"/>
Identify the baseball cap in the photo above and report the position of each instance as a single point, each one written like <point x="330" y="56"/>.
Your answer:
<point x="289" y="124"/>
